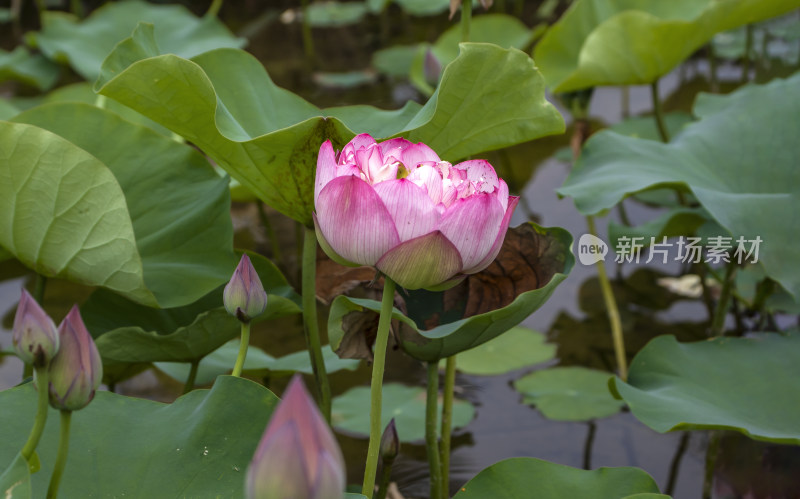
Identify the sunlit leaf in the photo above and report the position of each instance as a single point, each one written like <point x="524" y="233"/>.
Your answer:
<point x="630" y="42"/>
<point x="517" y="348"/>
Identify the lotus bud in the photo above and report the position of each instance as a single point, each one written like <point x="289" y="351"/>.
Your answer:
<point x="244" y="296"/>
<point x="34" y="333"/>
<point x="76" y="371"/>
<point x="432" y="68"/>
<point x="298" y="455"/>
<point x="390" y="443"/>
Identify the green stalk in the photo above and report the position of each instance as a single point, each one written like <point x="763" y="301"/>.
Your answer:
<point x="431" y="440"/>
<point x="277" y="254"/>
<point x="42" y="382"/>
<point x="675" y="465"/>
<point x="612" y="310"/>
<point x="386" y="476"/>
<point x="711" y="463"/>
<point x="193" y="376"/>
<point x="376" y="386"/>
<point x="712" y="68"/>
<point x="308" y="39"/>
<point x="718" y="325"/>
<point x="243" y="344"/>
<point x="311" y="324"/>
<point x="658" y="112"/>
<point x="61" y="458"/>
<point x="77" y="8"/>
<point x="466" y="19"/>
<point x="41" y="6"/>
<point x="447" y="422"/>
<point x="213" y="9"/>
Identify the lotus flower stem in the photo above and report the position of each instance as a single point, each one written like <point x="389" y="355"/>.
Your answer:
<point x="718" y="325"/>
<point x="658" y="113"/>
<point x="61" y="457"/>
<point x="381" y="341"/>
<point x="431" y="439"/>
<point x="711" y="463"/>
<point x="277" y="254"/>
<point x="386" y="477"/>
<point x="712" y="69"/>
<point x="192" y="377"/>
<point x="311" y="324"/>
<point x="447" y="421"/>
<point x="611" y="310"/>
<point x="245" y="342"/>
<point x="308" y="39"/>
<point x="466" y="19"/>
<point x="42" y="382"/>
<point x="675" y="465"/>
<point x="213" y="9"/>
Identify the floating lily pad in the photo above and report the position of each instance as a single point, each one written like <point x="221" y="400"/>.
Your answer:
<point x="749" y="385"/>
<point x="518" y="477"/>
<point x="257" y="361"/>
<point x="423" y="7"/>
<point x="31" y="69"/>
<point x="516" y="348"/>
<point x="395" y="61"/>
<point x="146" y="446"/>
<point x="84" y="44"/>
<point x="406" y="404"/>
<point x="329" y="14"/>
<point x="569" y="393"/>
<point x="631" y="42"/>
<point x="541" y="255"/>
<point x="272" y="149"/>
<point x="112" y="204"/>
<point x="743" y="173"/>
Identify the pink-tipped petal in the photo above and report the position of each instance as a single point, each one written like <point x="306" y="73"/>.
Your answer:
<point x="422" y="262"/>
<point x="326" y="247"/>
<point x="326" y="167"/>
<point x="354" y="221"/>
<point x="362" y="140"/>
<point x="498" y="242"/>
<point x="481" y="173"/>
<point x="428" y="176"/>
<point x="279" y="468"/>
<point x="413" y="212"/>
<point x="502" y="194"/>
<point x="408" y="153"/>
<point x="471" y="225"/>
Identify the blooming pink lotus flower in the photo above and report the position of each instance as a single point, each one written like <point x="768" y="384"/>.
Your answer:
<point x="395" y="205"/>
<point x="76" y="371"/>
<point x="34" y="333"/>
<point x="298" y="456"/>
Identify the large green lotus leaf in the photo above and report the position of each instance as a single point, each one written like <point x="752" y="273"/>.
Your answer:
<point x="569" y="393"/>
<point x="31" y="69"/>
<point x="553" y="257"/>
<point x="672" y="223"/>
<point x="15" y="481"/>
<point x="268" y="138"/>
<point x="406" y="404"/>
<point x="749" y="385"/>
<point x="198" y="446"/>
<point x="85" y="44"/>
<point x="630" y="42"/>
<point x="423" y="7"/>
<point x="516" y="348"/>
<point x="179" y="209"/>
<point x="63" y="213"/>
<point x="257" y="362"/>
<point x="739" y="161"/>
<point x="517" y="477"/>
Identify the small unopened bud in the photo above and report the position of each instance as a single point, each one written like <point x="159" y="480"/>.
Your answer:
<point x="432" y="68"/>
<point x="244" y="296"/>
<point x="34" y="333"/>
<point x="298" y="456"/>
<point x="390" y="443"/>
<point x="76" y="371"/>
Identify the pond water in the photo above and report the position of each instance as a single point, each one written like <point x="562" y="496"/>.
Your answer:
<point x="503" y="426"/>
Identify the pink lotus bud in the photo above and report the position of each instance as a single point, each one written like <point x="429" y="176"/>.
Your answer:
<point x="298" y="456"/>
<point x="396" y="206"/>
<point x="34" y="333"/>
<point x="432" y="69"/>
<point x="244" y="296"/>
<point x="390" y="443"/>
<point x="76" y="371"/>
